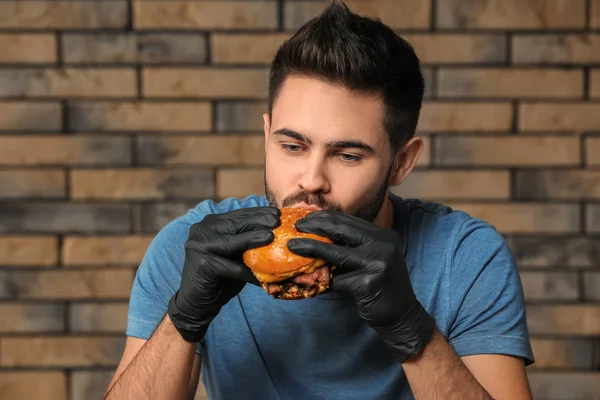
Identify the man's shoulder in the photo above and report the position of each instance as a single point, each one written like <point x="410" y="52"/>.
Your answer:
<point x="443" y="226"/>
<point x="431" y="219"/>
<point x="172" y="235"/>
<point x="209" y="206"/>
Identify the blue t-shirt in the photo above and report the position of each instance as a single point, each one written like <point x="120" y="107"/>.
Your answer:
<point x="462" y="272"/>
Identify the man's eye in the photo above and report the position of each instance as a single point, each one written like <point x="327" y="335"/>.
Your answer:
<point x="350" y="157"/>
<point x="292" y="148"/>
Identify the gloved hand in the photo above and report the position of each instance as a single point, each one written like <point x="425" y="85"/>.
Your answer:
<point x="370" y="267"/>
<point x="213" y="271"/>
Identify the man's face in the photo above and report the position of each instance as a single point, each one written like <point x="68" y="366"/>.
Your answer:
<point x="326" y="148"/>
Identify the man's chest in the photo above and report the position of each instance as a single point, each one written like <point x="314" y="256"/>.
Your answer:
<point x="314" y="346"/>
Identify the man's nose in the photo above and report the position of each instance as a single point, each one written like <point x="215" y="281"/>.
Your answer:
<point x="314" y="177"/>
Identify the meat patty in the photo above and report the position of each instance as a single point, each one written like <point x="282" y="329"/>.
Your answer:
<point x="300" y="286"/>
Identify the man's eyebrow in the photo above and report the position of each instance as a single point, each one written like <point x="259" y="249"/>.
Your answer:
<point x="337" y="144"/>
<point x="292" y="134"/>
<point x="351" y="144"/>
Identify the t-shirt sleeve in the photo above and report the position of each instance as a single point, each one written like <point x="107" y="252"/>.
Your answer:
<point x="487" y="300"/>
<point x="157" y="279"/>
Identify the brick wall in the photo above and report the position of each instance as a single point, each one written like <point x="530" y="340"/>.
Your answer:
<point x="117" y="116"/>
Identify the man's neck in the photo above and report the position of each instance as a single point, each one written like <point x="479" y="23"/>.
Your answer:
<point x="385" y="218"/>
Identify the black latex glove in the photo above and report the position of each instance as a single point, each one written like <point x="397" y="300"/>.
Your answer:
<point x="213" y="271"/>
<point x="370" y="267"/>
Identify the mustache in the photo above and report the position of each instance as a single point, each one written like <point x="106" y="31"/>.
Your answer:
<point x="316" y="199"/>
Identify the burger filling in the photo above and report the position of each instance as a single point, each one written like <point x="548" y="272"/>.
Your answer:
<point x="300" y="286"/>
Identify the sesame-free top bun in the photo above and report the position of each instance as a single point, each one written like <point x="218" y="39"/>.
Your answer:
<point x="275" y="262"/>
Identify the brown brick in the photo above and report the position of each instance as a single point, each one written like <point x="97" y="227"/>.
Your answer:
<point x="181" y="14"/>
<point x="521" y="151"/>
<point x="30" y="116"/>
<point x="102" y="251"/>
<point x="49" y="183"/>
<point x="202" y="150"/>
<point x="134" y="48"/>
<point x="592" y="151"/>
<point x="591" y="281"/>
<point x="67" y="83"/>
<point x="89" y="317"/>
<point x="425" y="159"/>
<point x="36" y="150"/>
<point x="24" y="318"/>
<point x="595" y="13"/>
<point x="65" y="351"/>
<point x="205" y="83"/>
<point x="530" y="218"/>
<point x="452" y="185"/>
<point x="87" y="385"/>
<point x="595" y="83"/>
<point x="247" y="48"/>
<point x="555" y="48"/>
<point x="27" y="48"/>
<point x="140" y="116"/>
<point x="580" y="385"/>
<point x="556" y="184"/>
<point x="592" y="223"/>
<point x="154" y="216"/>
<point x="394" y="13"/>
<point x="438" y="117"/>
<point x="557" y="353"/>
<point x="543" y="252"/>
<point x="144" y="184"/>
<point x="64" y="217"/>
<point x="559" y="116"/>
<point x="550" y="285"/>
<point x="510" y="83"/>
<point x="240" y="182"/>
<point x="428" y="94"/>
<point x="67" y="284"/>
<point x="47" y="385"/>
<point x="63" y="14"/>
<point x="577" y="319"/>
<point x="240" y="116"/>
<point x="511" y="14"/>
<point x="458" y="48"/>
<point x="28" y="250"/>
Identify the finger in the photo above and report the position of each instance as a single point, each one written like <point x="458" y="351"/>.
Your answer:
<point x="230" y="245"/>
<point x="227" y="269"/>
<point x="339" y="227"/>
<point x="344" y="257"/>
<point x="243" y="220"/>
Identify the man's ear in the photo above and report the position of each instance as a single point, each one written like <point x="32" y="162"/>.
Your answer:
<point x="405" y="160"/>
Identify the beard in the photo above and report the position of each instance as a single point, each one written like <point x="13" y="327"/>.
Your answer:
<point x="368" y="210"/>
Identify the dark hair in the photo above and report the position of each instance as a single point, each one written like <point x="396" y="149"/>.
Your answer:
<point x="361" y="53"/>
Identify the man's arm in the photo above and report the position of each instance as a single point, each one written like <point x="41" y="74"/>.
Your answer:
<point x="438" y="372"/>
<point x="161" y="369"/>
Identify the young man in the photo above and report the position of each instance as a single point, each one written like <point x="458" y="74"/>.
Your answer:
<point x="426" y="301"/>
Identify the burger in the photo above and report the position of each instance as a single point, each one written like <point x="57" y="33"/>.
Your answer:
<point x="283" y="274"/>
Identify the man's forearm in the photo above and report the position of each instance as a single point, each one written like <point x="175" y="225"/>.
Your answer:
<point x="160" y="370"/>
<point x="439" y="373"/>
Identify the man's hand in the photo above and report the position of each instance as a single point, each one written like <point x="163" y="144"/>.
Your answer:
<point x="213" y="271"/>
<point x="371" y="267"/>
